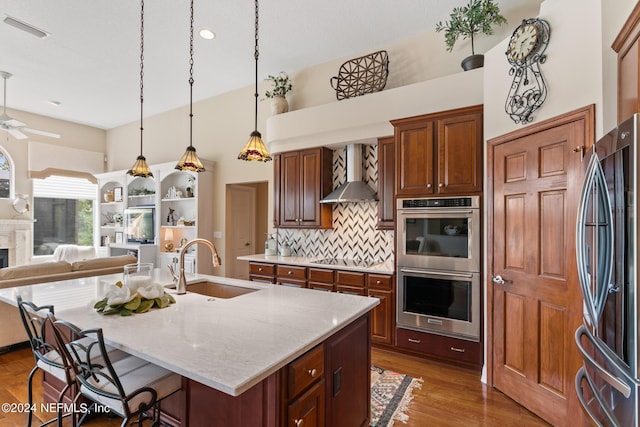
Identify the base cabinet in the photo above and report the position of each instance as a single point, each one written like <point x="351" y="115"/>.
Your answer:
<point x="440" y="346"/>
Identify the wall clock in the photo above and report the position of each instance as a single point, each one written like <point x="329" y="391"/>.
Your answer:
<point x="525" y="53"/>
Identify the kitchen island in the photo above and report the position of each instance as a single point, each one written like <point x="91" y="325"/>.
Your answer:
<point x="269" y="357"/>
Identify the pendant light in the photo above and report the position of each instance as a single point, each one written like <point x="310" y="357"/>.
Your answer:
<point x="189" y="160"/>
<point x="140" y="167"/>
<point x="255" y="149"/>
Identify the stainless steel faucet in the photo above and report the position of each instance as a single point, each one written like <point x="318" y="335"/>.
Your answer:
<point x="182" y="281"/>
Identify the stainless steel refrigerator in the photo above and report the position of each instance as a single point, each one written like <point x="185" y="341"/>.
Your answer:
<point x="607" y="254"/>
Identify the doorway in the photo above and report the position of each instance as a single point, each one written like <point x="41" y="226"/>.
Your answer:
<point x="246" y="225"/>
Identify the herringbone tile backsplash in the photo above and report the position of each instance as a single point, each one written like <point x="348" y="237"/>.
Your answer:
<point x="354" y="234"/>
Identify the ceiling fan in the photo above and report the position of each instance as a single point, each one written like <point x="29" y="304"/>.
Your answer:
<point x="13" y="126"/>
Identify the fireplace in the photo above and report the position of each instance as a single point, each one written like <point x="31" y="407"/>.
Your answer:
<point x="16" y="241"/>
<point x="4" y="258"/>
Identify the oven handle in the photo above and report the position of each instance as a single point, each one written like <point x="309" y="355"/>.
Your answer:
<point x="435" y="211"/>
<point x="437" y="273"/>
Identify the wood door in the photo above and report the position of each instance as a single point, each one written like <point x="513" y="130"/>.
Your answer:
<point x="386" y="183"/>
<point x="289" y="189"/>
<point x="414" y="158"/>
<point x="536" y="180"/>
<point x="460" y="154"/>
<point x="241" y="205"/>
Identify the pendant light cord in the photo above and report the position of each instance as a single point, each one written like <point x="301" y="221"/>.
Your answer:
<point x="256" y="55"/>
<point x="191" y="80"/>
<point x="141" y="70"/>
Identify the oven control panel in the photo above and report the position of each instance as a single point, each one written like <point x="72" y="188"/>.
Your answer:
<point x="439" y="202"/>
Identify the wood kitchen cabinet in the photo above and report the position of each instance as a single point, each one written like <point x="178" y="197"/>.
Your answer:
<point x="440" y="346"/>
<point x="386" y="183"/>
<point x="302" y="179"/>
<point x="627" y="46"/>
<point x="439" y="153"/>
<point x="379" y="286"/>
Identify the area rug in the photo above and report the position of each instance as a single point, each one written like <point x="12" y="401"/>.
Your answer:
<point x="391" y="394"/>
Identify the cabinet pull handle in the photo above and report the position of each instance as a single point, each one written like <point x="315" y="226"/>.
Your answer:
<point x="289" y="272"/>
<point x="259" y="268"/>
<point x="428" y="185"/>
<point x="441" y="185"/>
<point x="414" y="341"/>
<point x="312" y="372"/>
<point x="299" y="422"/>
<point x="459" y="350"/>
<point x="378" y="282"/>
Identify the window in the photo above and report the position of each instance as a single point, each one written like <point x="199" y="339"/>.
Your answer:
<point x="5" y="176"/>
<point x="63" y="209"/>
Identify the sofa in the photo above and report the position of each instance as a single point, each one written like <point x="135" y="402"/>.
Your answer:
<point x="11" y="328"/>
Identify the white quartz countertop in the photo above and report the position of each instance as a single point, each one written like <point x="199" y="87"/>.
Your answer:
<point x="382" y="268"/>
<point x="227" y="344"/>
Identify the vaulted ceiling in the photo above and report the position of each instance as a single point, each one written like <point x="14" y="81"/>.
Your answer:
<point x="90" y="61"/>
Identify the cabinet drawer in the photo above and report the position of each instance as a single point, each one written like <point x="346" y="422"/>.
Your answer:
<point x="291" y="272"/>
<point x="380" y="281"/>
<point x="305" y="370"/>
<point x="321" y="275"/>
<point x="354" y="290"/>
<point x="320" y="286"/>
<point x="262" y="269"/>
<point x="263" y="279"/>
<point x="350" y="278"/>
<point x="441" y="346"/>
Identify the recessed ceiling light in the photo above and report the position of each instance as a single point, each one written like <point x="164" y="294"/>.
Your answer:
<point x="55" y="103"/>
<point x="207" y="34"/>
<point x="21" y="25"/>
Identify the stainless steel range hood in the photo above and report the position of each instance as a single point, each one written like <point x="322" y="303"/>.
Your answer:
<point x="354" y="190"/>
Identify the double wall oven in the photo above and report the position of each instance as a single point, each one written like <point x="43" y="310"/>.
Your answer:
<point x="438" y="254"/>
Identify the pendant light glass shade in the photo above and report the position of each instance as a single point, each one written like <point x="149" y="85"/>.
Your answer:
<point x="255" y="148"/>
<point x="140" y="167"/>
<point x="190" y="160"/>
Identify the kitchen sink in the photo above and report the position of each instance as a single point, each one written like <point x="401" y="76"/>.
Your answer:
<point x="217" y="290"/>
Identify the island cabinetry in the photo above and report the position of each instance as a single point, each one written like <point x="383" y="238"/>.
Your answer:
<point x="289" y="275"/>
<point x="386" y="183"/>
<point x="439" y="153"/>
<point x="262" y="272"/>
<point x="302" y="179"/>
<point x="320" y="279"/>
<point x="306" y="393"/>
<point x="440" y="346"/>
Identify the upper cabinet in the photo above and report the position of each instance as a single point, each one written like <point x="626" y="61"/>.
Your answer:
<point x="302" y="179"/>
<point x="386" y="183"/>
<point x="627" y="46"/>
<point x="439" y="153"/>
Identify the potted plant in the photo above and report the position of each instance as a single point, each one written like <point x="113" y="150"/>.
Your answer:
<point x="479" y="16"/>
<point x="281" y="86"/>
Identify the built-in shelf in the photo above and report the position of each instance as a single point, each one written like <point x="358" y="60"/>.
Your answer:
<point x="179" y="199"/>
<point x="188" y="227"/>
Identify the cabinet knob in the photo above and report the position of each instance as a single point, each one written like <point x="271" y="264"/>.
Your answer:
<point x="441" y="185"/>
<point x="289" y="272"/>
<point x="428" y="185"/>
<point x="378" y="282"/>
<point x="259" y="268"/>
<point x="299" y="422"/>
<point x="312" y="372"/>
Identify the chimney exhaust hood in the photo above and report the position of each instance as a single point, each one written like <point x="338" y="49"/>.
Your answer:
<point x="354" y="190"/>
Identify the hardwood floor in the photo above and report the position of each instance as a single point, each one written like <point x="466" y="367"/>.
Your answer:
<point x="450" y="395"/>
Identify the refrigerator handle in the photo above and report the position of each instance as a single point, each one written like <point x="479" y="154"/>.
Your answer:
<point x="582" y="375"/>
<point x="613" y="381"/>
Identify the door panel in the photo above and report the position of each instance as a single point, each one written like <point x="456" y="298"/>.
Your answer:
<point x="536" y="181"/>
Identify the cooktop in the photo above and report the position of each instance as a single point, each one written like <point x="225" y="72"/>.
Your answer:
<point x="343" y="262"/>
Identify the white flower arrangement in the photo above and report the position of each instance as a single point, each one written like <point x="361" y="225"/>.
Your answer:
<point x="124" y="300"/>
